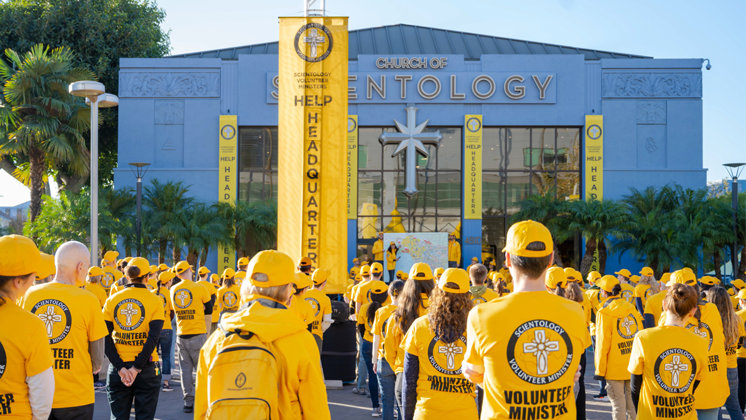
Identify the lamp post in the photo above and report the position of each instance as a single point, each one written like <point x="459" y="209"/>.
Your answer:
<point x="139" y="172"/>
<point x="734" y="170"/>
<point x="96" y="98"/>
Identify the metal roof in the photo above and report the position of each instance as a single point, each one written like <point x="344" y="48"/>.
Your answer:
<point x="411" y="39"/>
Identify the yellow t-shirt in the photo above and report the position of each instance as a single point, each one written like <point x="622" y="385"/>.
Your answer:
<point x="628" y="292"/>
<point x="669" y="359"/>
<point x="587" y="308"/>
<point x="487" y="296"/>
<point x="642" y="291"/>
<point x="377" y="250"/>
<point x="168" y="308"/>
<point x="24" y="352"/>
<point x="151" y="283"/>
<point x="320" y="305"/>
<point x="654" y="305"/>
<point x="362" y="319"/>
<point x="118" y="285"/>
<point x="617" y="323"/>
<point x="383" y="316"/>
<point x="529" y="345"/>
<point x="741" y="352"/>
<point x="97" y="291"/>
<point x="131" y="311"/>
<point x="301" y="308"/>
<point x="390" y="260"/>
<point x="360" y="292"/>
<point x="111" y="275"/>
<point x="72" y="319"/>
<point x="731" y="351"/>
<point x="213" y="291"/>
<point x="442" y="389"/>
<point x="392" y="341"/>
<point x="188" y="299"/>
<point x="229" y="298"/>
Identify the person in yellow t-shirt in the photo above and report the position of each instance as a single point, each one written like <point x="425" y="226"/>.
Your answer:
<point x="165" y="279"/>
<point x="479" y="292"/>
<point x="628" y="290"/>
<point x="653" y="309"/>
<point x="228" y="273"/>
<point x="391" y="260"/>
<point x="111" y="274"/>
<point x="530" y="342"/>
<point x="298" y="305"/>
<point x="134" y="318"/>
<point x="320" y="304"/>
<point x="378" y="295"/>
<point x="26" y="374"/>
<point x="193" y="304"/>
<point x="436" y="274"/>
<point x="211" y="322"/>
<point x="376" y="250"/>
<point x="75" y="328"/>
<point x="646" y="287"/>
<point x="121" y="278"/>
<point x="93" y="284"/>
<point x="667" y="361"/>
<point x="360" y="291"/>
<point x="229" y="296"/>
<point x="454" y="251"/>
<point x="383" y="357"/>
<point x="433" y="384"/>
<point x="242" y="263"/>
<point x="741" y="352"/>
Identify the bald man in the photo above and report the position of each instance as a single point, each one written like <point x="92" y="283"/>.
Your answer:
<point x="76" y="329"/>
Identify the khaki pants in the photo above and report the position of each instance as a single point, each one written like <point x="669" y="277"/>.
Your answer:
<point x="620" y="396"/>
<point x="188" y="359"/>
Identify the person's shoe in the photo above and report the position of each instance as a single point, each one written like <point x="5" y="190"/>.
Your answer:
<point x="376" y="412"/>
<point x="188" y="409"/>
<point x="359" y="391"/>
<point x="99" y="385"/>
<point x="166" y="387"/>
<point x="601" y="397"/>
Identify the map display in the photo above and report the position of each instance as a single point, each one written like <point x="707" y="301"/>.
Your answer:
<point x="428" y="247"/>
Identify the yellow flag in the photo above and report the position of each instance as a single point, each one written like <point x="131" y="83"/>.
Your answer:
<point x="227" y="173"/>
<point x="594" y="157"/>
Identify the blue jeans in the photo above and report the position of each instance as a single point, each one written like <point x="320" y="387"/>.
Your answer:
<point x="164" y="345"/>
<point x="387" y="381"/>
<point x="731" y="404"/>
<point x="372" y="379"/>
<point x="362" y="371"/>
<point x="708" y="414"/>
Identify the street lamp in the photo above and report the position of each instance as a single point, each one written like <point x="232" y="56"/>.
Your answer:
<point x="734" y="170"/>
<point x="96" y="98"/>
<point x="139" y="172"/>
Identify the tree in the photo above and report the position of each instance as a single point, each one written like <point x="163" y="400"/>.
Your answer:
<point x="39" y="119"/>
<point x="597" y="221"/>
<point x="549" y="211"/>
<point x="165" y="217"/>
<point x="205" y="229"/>
<point x="254" y="225"/>
<point x="100" y="33"/>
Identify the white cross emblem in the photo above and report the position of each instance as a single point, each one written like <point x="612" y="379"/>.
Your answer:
<point x="675" y="367"/>
<point x="50" y="318"/>
<point x="540" y="347"/>
<point x="626" y="324"/>
<point x="314" y="40"/>
<point x="230" y="299"/>
<point x="594" y="131"/>
<point x="182" y="296"/>
<point x="450" y="350"/>
<point x="410" y="139"/>
<point x="129" y="311"/>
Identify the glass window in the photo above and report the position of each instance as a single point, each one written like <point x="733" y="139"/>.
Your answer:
<point x="369" y="148"/>
<point x="257" y="164"/>
<point x="493" y="193"/>
<point x="517" y="189"/>
<point x="449" y="193"/>
<point x="568" y="185"/>
<point x="449" y="150"/>
<point x="568" y="149"/>
<point x="517" y="150"/>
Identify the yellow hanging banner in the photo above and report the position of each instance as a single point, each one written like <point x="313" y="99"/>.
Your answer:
<point x="312" y="129"/>
<point x="594" y="157"/>
<point x="352" y="167"/>
<point x="227" y="176"/>
<point x="472" y="167"/>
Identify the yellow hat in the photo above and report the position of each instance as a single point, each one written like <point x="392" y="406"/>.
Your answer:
<point x="665" y="277"/>
<point x="181" y="267"/>
<point x="593" y="276"/>
<point x="392" y="243"/>
<point x="731" y="291"/>
<point x="203" y="270"/>
<point x="162" y="267"/>
<point x="153" y="269"/>
<point x="354" y="271"/>
<point x="439" y="271"/>
<point x="377" y="287"/>
<point x="376" y="268"/>
<point x="47" y="267"/>
<point x="709" y="280"/>
<point x="456" y="277"/>
<point x="271" y="268"/>
<point x="555" y="278"/>
<point x="239" y="275"/>
<point x="738" y="284"/>
<point x="420" y="271"/>
<point x="474" y="260"/>
<point x="497" y="276"/>
<point x="624" y="272"/>
<point x="647" y="271"/>
<point x="573" y="275"/>
<point x="320" y="276"/>
<point x="95" y="271"/>
<point x="365" y="271"/>
<point x="634" y="279"/>
<point x="399" y="274"/>
<point x="166" y="276"/>
<point x="228" y="273"/>
<point x="242" y="261"/>
<point x="305" y="262"/>
<point x="214" y="278"/>
<point x="607" y="283"/>
<point x="354" y="260"/>
<point x="110" y="256"/>
<point x="128" y="259"/>
<point x="140" y="263"/>
<point x="358" y="277"/>
<point x="684" y="277"/>
<point x="302" y="281"/>
<point x="741" y="294"/>
<point x="121" y="261"/>
<point x="521" y="234"/>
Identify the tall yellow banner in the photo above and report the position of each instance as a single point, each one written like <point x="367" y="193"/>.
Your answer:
<point x="312" y="129"/>
<point x="227" y="176"/>
<point x="352" y="167"/>
<point x="472" y="167"/>
<point x="594" y="157"/>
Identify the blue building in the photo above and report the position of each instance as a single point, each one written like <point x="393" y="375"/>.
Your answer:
<point x="533" y="98"/>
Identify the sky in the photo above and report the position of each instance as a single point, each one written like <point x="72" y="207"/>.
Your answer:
<point x="657" y="28"/>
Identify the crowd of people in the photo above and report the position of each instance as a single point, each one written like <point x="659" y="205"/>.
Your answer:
<point x="432" y="343"/>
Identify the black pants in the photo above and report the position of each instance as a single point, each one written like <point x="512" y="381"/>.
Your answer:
<point x="742" y="382"/>
<point x="82" y="412"/>
<point x="580" y="399"/>
<point x="144" y="391"/>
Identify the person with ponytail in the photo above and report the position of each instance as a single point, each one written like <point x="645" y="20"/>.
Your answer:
<point x="433" y="384"/>
<point x="229" y="295"/>
<point x="165" y="344"/>
<point x="647" y="286"/>
<point x="555" y="281"/>
<point x="378" y="293"/>
<point x="733" y="331"/>
<point x="383" y="355"/>
<point x="667" y="362"/>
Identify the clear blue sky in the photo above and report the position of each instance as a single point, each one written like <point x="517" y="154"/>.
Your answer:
<point x="657" y="28"/>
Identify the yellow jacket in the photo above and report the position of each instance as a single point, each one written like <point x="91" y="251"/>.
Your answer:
<point x="617" y="323"/>
<point x="302" y="393"/>
<point x="390" y="259"/>
<point x="377" y="250"/>
<point x="454" y="251"/>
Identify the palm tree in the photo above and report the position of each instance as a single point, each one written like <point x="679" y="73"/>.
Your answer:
<point x="597" y="221"/>
<point x="166" y="215"/>
<point x="551" y="212"/>
<point x="39" y="120"/>
<point x="254" y="226"/>
<point x="205" y="229"/>
<point x="121" y="204"/>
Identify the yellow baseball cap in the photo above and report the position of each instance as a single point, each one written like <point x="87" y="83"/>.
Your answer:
<point x="153" y="269"/>
<point x="624" y="272"/>
<point x="239" y="275"/>
<point x="320" y="276"/>
<point x="242" y="261"/>
<point x="228" y="273"/>
<point x="140" y="263"/>
<point x="270" y="268"/>
<point x="366" y="263"/>
<point x="376" y="268"/>
<point x="521" y="234"/>
<point x="305" y="262"/>
<point x="593" y="276"/>
<point x="110" y="256"/>
<point x="302" y="281"/>
<point x="439" y="272"/>
<point x="474" y="260"/>
<point x="378" y="287"/>
<point x="128" y="259"/>
<point x="166" y="276"/>
<point x="634" y="279"/>
<point x="121" y="261"/>
<point x="354" y="260"/>
<point x="573" y="275"/>
<point x="358" y="277"/>
<point x="399" y="274"/>
<point x="731" y="291"/>
<point x="162" y="267"/>
<point x="181" y="267"/>
<point x="214" y="278"/>
<point x="95" y="271"/>
<point x="709" y="280"/>
<point x="647" y="271"/>
<point x="497" y="276"/>
<point x="420" y="271"/>
<point x="47" y="267"/>
<point x="365" y="271"/>
<point x="555" y="278"/>
<point x="665" y="277"/>
<point x="454" y="277"/>
<point x="738" y="284"/>
<point x="203" y="270"/>
<point x="354" y="271"/>
<point x="683" y="276"/>
<point x="607" y="283"/>
<point x="741" y="294"/>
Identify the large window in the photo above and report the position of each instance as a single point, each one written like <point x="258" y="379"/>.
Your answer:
<point x="257" y="164"/>
<point x="521" y="161"/>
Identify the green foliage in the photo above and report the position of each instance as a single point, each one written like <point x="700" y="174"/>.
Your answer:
<point x="165" y="216"/>
<point x="596" y="221"/>
<point x="254" y="225"/>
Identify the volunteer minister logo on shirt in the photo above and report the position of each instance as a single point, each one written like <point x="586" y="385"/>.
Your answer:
<point x="446" y="357"/>
<point x="129" y="314"/>
<point x="183" y="298"/>
<point x="627" y="327"/>
<point x="539" y="351"/>
<point x="3" y="360"/>
<point x="703" y="330"/>
<point x="674" y="370"/>
<point x="56" y="318"/>
<point x="315" y="305"/>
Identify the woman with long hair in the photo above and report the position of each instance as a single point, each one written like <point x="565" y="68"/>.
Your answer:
<point x="646" y="287"/>
<point x="733" y="330"/>
<point x="378" y="295"/>
<point x="433" y="384"/>
<point x="229" y="295"/>
<point x="391" y="260"/>
<point x="383" y="357"/>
